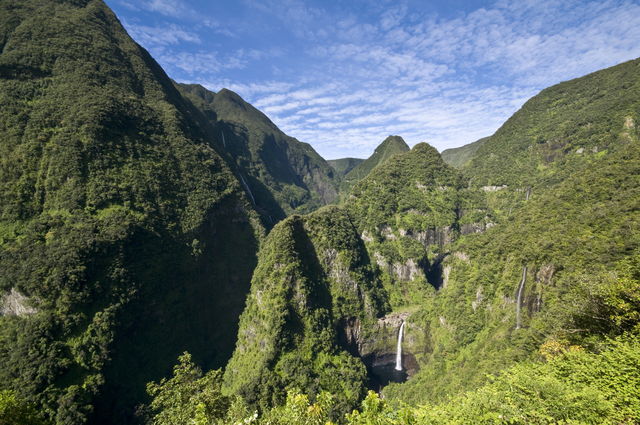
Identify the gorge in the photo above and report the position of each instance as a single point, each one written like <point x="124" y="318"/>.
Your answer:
<point x="168" y="255"/>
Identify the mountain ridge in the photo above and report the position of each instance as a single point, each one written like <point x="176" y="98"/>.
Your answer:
<point x="285" y="175"/>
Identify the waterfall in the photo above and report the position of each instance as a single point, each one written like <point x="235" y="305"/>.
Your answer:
<point x="246" y="186"/>
<point x="519" y="298"/>
<point x="399" y="349"/>
<point x="224" y="142"/>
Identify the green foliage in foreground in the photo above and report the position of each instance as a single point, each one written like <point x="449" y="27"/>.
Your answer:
<point x="14" y="411"/>
<point x="188" y="395"/>
<point x="572" y="386"/>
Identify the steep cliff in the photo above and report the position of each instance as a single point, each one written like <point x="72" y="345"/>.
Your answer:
<point x="125" y="238"/>
<point x="409" y="211"/>
<point x="553" y="270"/>
<point x="283" y="174"/>
<point x="313" y="282"/>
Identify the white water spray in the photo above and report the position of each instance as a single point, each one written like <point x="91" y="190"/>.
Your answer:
<point x="519" y="298"/>
<point x="399" y="349"/>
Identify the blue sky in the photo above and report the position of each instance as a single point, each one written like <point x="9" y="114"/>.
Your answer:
<point x="342" y="75"/>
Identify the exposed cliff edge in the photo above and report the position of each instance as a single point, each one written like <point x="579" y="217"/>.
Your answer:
<point x="409" y="211"/>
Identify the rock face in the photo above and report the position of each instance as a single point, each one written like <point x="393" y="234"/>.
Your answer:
<point x="410" y="210"/>
<point x="377" y="345"/>
<point x="15" y="304"/>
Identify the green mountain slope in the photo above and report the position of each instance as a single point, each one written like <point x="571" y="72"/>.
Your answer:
<point x="577" y="118"/>
<point x="389" y="147"/>
<point x="313" y="279"/>
<point x="572" y="252"/>
<point x="343" y="165"/>
<point x="458" y="157"/>
<point x="282" y="174"/>
<point x="482" y="289"/>
<point x="125" y="238"/>
<point x="409" y="210"/>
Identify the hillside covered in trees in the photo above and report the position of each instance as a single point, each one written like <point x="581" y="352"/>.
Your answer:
<point x="169" y="256"/>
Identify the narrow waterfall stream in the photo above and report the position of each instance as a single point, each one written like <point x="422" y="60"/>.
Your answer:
<point x="399" y="348"/>
<point x="519" y="298"/>
<point x="224" y="142"/>
<point x="246" y="186"/>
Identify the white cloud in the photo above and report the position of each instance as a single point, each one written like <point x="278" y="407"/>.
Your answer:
<point x="344" y="80"/>
<point x="153" y="36"/>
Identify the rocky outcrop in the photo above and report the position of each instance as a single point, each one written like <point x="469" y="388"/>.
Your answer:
<point x="377" y="345"/>
<point x="408" y="270"/>
<point x="16" y="304"/>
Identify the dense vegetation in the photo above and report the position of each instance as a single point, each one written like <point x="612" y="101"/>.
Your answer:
<point x="122" y="231"/>
<point x="389" y="147"/>
<point x="130" y="228"/>
<point x="583" y="116"/>
<point x="343" y="165"/>
<point x="409" y="210"/>
<point x="457" y="157"/>
<point x="313" y="277"/>
<point x="282" y="174"/>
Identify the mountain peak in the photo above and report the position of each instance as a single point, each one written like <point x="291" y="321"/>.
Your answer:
<point x="395" y="143"/>
<point x="389" y="147"/>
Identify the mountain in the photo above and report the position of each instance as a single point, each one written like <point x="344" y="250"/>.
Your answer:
<point x="561" y="184"/>
<point x="408" y="211"/>
<point x="458" y="157"/>
<point x="553" y="275"/>
<point x="389" y="147"/>
<point x="313" y="286"/>
<point x="343" y="165"/>
<point x="282" y="174"/>
<point x="566" y="123"/>
<point x="125" y="237"/>
<point x="133" y="235"/>
<point x="527" y="279"/>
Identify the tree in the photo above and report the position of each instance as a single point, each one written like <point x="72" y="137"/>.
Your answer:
<point x="189" y="397"/>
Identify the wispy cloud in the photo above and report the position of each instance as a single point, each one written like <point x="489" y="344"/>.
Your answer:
<point x="343" y="77"/>
<point x="160" y="35"/>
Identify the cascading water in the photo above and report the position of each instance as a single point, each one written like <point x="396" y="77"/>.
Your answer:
<point x="519" y="298"/>
<point x="246" y="186"/>
<point x="224" y="142"/>
<point x="399" y="348"/>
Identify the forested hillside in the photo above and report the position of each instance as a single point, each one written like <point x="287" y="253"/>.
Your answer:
<point x="458" y="157"/>
<point x="389" y="147"/>
<point x="343" y="165"/>
<point x="282" y="174"/>
<point x="167" y="255"/>
<point x="125" y="238"/>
